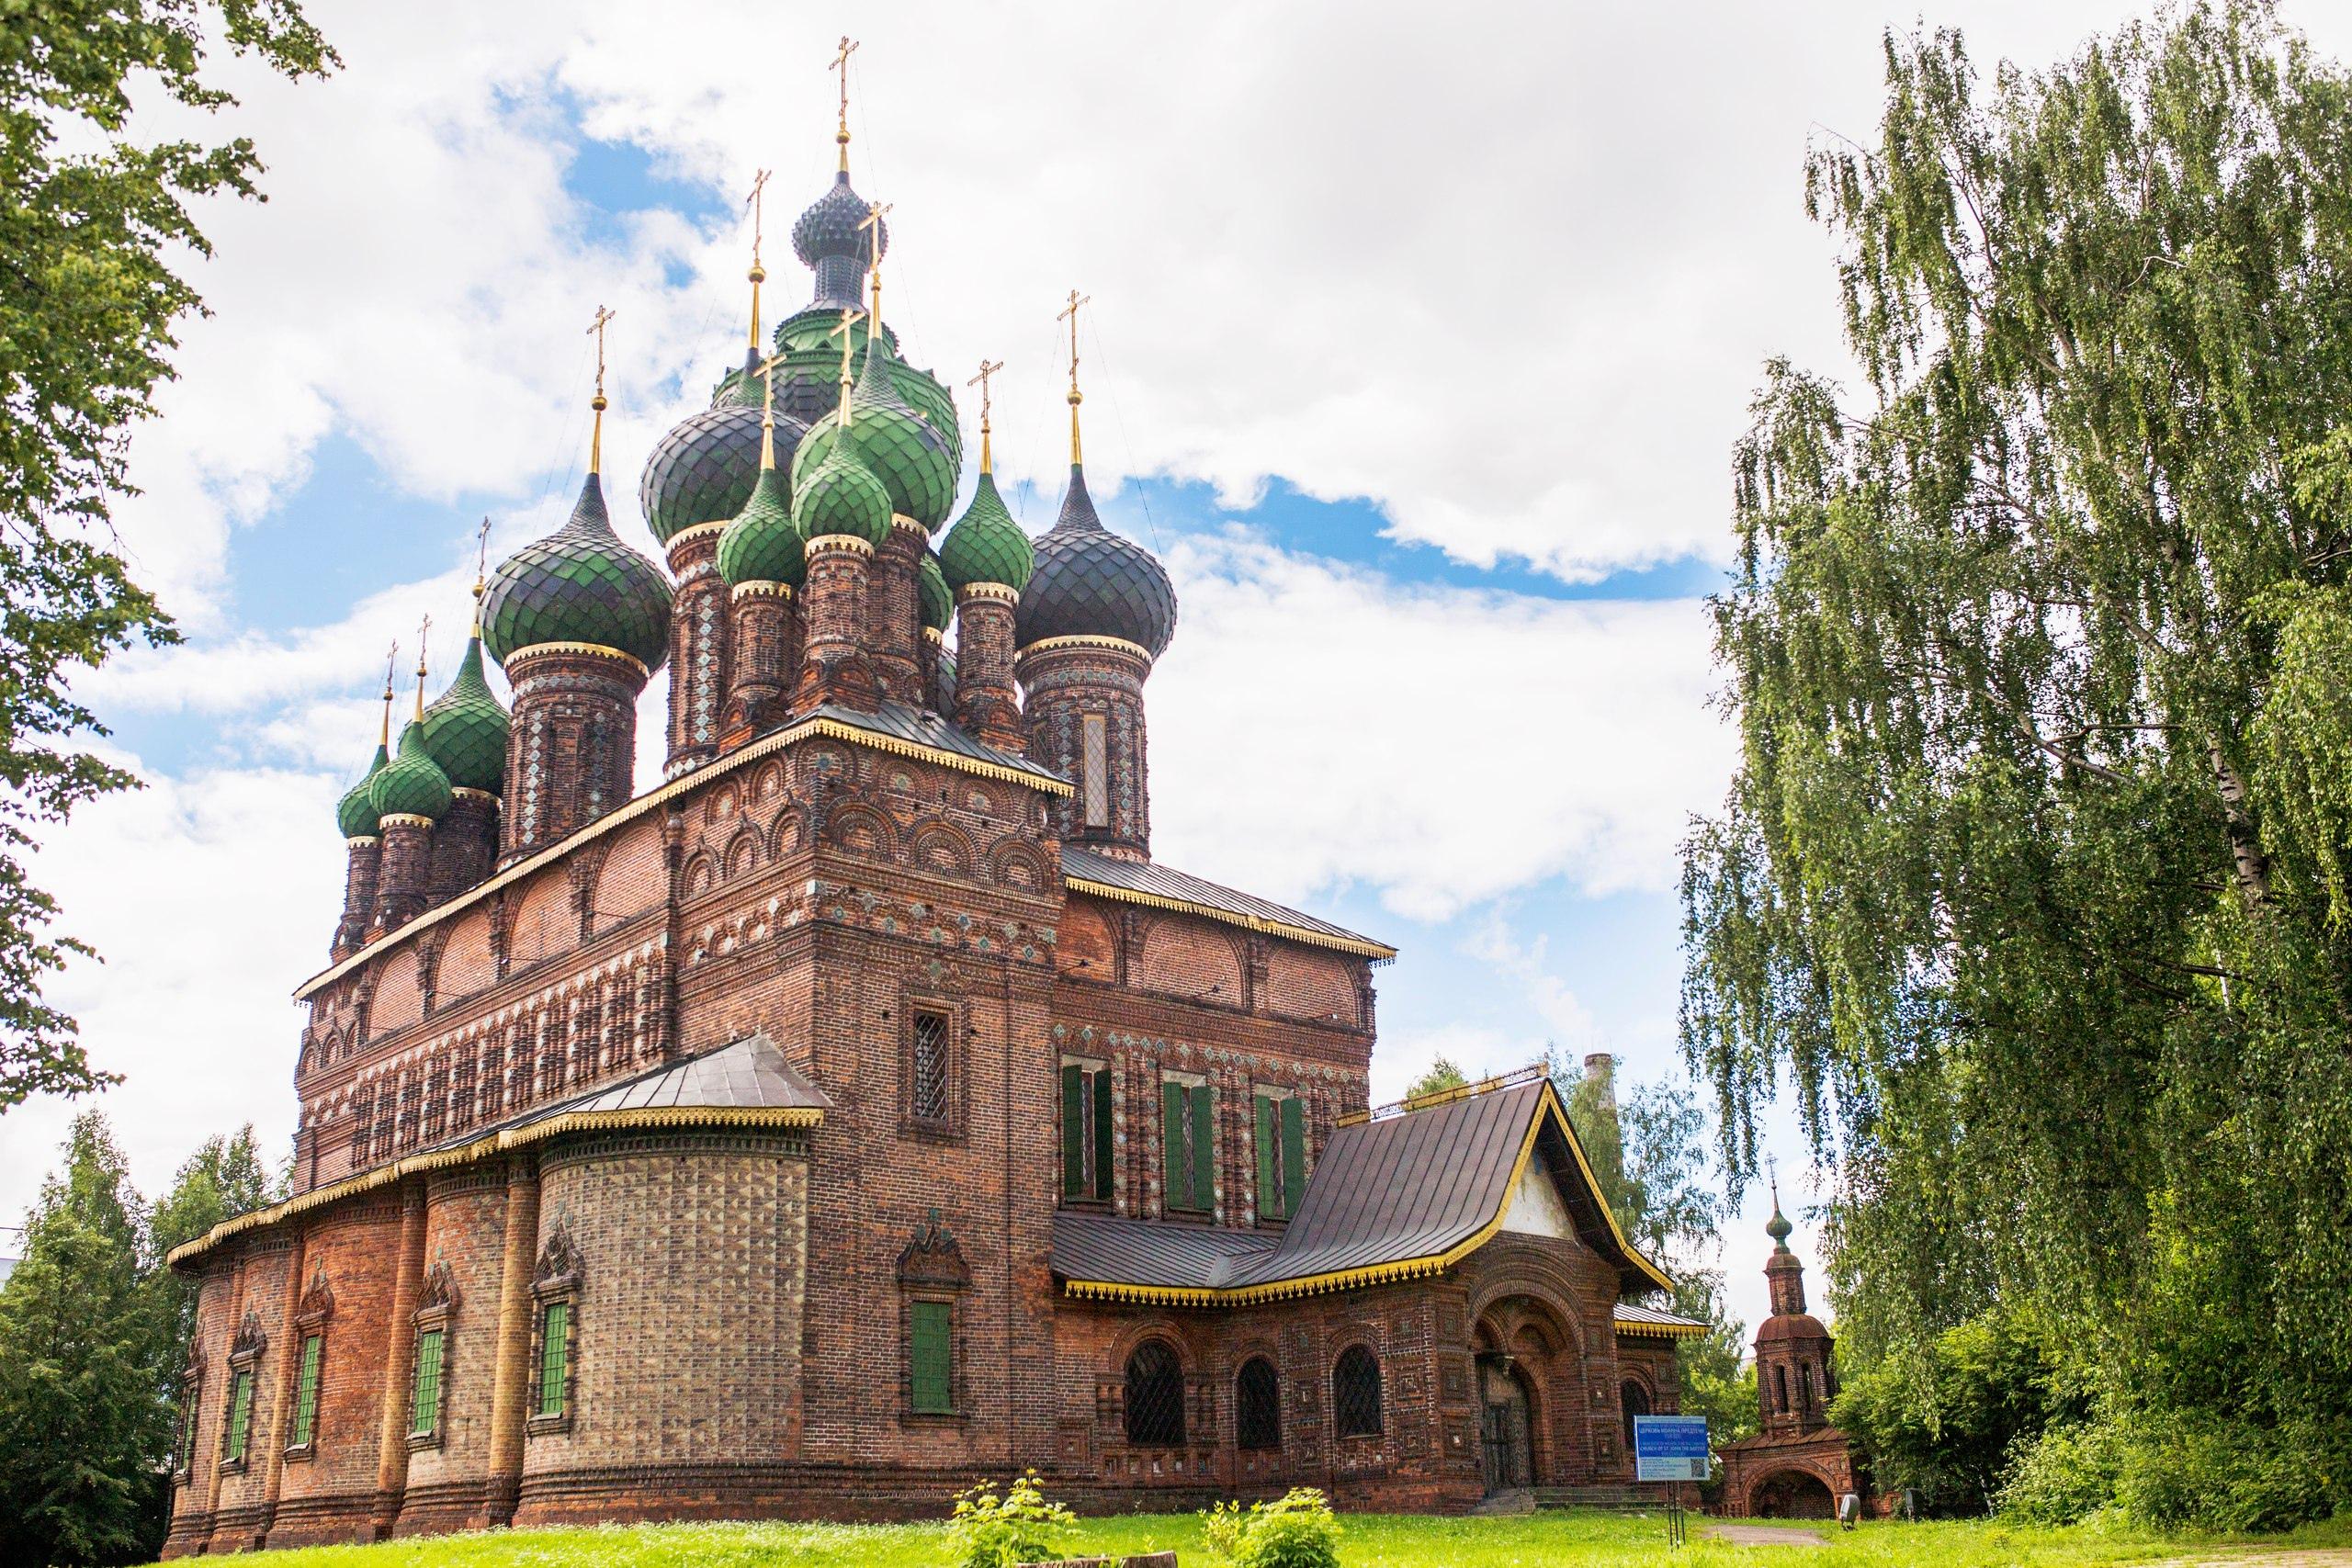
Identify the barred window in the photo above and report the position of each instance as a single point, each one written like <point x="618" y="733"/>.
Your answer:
<point x="555" y="1358"/>
<point x="928" y="1065"/>
<point x="931" y="1372"/>
<point x="425" y="1394"/>
<point x="237" y="1432"/>
<point x="1257" y="1406"/>
<point x="191" y="1401"/>
<point x="306" y="1392"/>
<point x="1355" y="1393"/>
<point x="1086" y="1132"/>
<point x="1154" y="1396"/>
<point x="1282" y="1154"/>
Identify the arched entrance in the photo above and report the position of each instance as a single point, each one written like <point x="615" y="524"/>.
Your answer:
<point x="1505" y="1428"/>
<point x="1792" y="1495"/>
<point x="1633" y="1400"/>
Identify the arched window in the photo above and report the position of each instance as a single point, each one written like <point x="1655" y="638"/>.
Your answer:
<point x="1804" y="1386"/>
<point x="1257" y="1406"/>
<point x="1154" y="1396"/>
<point x="1781" y="1390"/>
<point x="1634" y="1400"/>
<point x="1355" y="1393"/>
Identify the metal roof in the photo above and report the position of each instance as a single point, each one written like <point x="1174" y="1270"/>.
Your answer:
<point x="1146" y="883"/>
<point x="922" y="728"/>
<point x="749" y="1075"/>
<point x="1638" y="1319"/>
<point x="1390" y="1198"/>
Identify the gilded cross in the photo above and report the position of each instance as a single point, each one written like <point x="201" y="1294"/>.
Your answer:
<point x="1070" y="314"/>
<point x="597" y="434"/>
<point x="391" y="662"/>
<point x="873" y="221"/>
<point x="988" y="368"/>
<point x="840" y="64"/>
<point x="765" y="371"/>
<point x="850" y="318"/>
<point x="481" y="570"/>
<point x="758" y="274"/>
<point x="423" y="630"/>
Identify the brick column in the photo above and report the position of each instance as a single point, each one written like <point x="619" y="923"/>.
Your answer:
<point x="571" y="755"/>
<point x="367" y="859"/>
<point x="290" y="1373"/>
<point x="987" y="704"/>
<point x="513" y="1352"/>
<point x="766" y="635"/>
<point x="400" y="1344"/>
<point x="1084" y="706"/>
<point x="699" y="651"/>
<point x="465" y="843"/>
<point x="833" y="663"/>
<point x="894" y="613"/>
<point x="404" y="878"/>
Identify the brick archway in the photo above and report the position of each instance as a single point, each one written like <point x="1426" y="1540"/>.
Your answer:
<point x="1525" y="1339"/>
<point x="1792" y="1491"/>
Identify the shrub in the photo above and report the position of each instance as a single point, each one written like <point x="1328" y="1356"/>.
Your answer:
<point x="2171" y="1472"/>
<point x="997" y="1528"/>
<point x="2068" y="1473"/>
<point x="1297" y="1530"/>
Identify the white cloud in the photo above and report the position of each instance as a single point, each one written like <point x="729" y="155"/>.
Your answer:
<point x="1315" y="724"/>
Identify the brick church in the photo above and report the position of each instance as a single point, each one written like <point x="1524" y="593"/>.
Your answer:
<point x="860" y="1109"/>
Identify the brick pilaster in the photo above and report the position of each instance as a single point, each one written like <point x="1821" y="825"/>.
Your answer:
<point x="290" y="1371"/>
<point x="513" y="1352"/>
<point x="400" y="1345"/>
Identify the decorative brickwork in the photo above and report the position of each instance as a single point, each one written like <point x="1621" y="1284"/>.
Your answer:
<point x="405" y="879"/>
<point x="700" y="654"/>
<point x="834" y="663"/>
<point x="986" y="703"/>
<point x="465" y="843"/>
<point x="366" y="856"/>
<point x="894" y="613"/>
<point x="1084" y="707"/>
<point x="574" y="749"/>
<point x="766" y="639"/>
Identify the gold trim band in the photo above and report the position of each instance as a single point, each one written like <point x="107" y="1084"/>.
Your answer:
<point x="1001" y="593"/>
<point x="760" y="588"/>
<point x="363" y="839"/>
<point x="837" y="545"/>
<point x="403" y="819"/>
<point x="1106" y="644"/>
<point x="596" y="648"/>
<point x="496" y="1144"/>
<point x="699" y="531"/>
<point x="463" y="793"/>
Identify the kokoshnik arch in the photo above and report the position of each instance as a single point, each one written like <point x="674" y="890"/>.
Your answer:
<point x="862" y="1107"/>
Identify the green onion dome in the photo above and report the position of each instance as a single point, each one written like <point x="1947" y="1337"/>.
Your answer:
<point x="894" y="442"/>
<point x="839" y="495"/>
<point x="1093" y="582"/>
<point x="702" y="470"/>
<point x="931" y="584"/>
<point x="465" y="727"/>
<point x="922" y="392"/>
<point x="579" y="584"/>
<point x="413" y="784"/>
<point x="987" y="544"/>
<point x="762" y="544"/>
<point x="355" y="813"/>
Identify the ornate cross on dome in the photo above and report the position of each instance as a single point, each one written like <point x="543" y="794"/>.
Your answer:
<point x="765" y="371"/>
<point x="840" y="64"/>
<point x="850" y="318"/>
<point x="758" y="274"/>
<point x="988" y="368"/>
<point x="872" y="223"/>
<point x="482" y="568"/>
<point x="596" y="434"/>
<point x="424" y="630"/>
<point x="1070" y="314"/>
<point x="391" y="662"/>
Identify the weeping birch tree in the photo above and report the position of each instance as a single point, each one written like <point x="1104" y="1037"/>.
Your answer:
<point x="2035" y="883"/>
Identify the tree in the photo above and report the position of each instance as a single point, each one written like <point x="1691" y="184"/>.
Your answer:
<point x="87" y="305"/>
<point x="82" y="1429"/>
<point x="225" y="1177"/>
<point x="2032" y="880"/>
<point x="1442" y="1075"/>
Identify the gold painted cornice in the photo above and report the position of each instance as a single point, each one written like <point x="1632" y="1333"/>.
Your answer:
<point x="1360" y="947"/>
<point x="1104" y="644"/>
<point x="838" y="544"/>
<point x="593" y="650"/>
<point x="1003" y="592"/>
<point x="403" y="819"/>
<point x="762" y="589"/>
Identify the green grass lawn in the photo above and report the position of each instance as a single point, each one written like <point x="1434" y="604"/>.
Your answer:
<point x="1544" y="1541"/>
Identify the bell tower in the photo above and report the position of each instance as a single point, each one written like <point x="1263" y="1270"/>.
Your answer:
<point x="1794" y="1376"/>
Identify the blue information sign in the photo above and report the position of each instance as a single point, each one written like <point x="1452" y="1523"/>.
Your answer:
<point x="1670" y="1448"/>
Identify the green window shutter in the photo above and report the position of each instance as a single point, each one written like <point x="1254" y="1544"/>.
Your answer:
<point x="240" y="1414"/>
<point x="930" y="1358"/>
<point x="1102" y="1133"/>
<point x="1073" y="1131"/>
<point x="1293" y="1155"/>
<point x="1204" y="1147"/>
<point x="1269" y="1196"/>
<point x="1175" y="1158"/>
<point x="425" y="1405"/>
<point x="306" y="1392"/>
<point x="555" y="1355"/>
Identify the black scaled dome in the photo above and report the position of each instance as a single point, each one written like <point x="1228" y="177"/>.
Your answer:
<point x="1093" y="582"/>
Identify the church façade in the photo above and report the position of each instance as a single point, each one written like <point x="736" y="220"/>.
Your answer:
<point x="860" y="1108"/>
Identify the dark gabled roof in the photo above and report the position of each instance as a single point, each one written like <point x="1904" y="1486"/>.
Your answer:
<point x="1405" y="1195"/>
<point x="1141" y="882"/>
<point x="747" y="1082"/>
<point x="927" y="731"/>
<point x="1649" y="1322"/>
